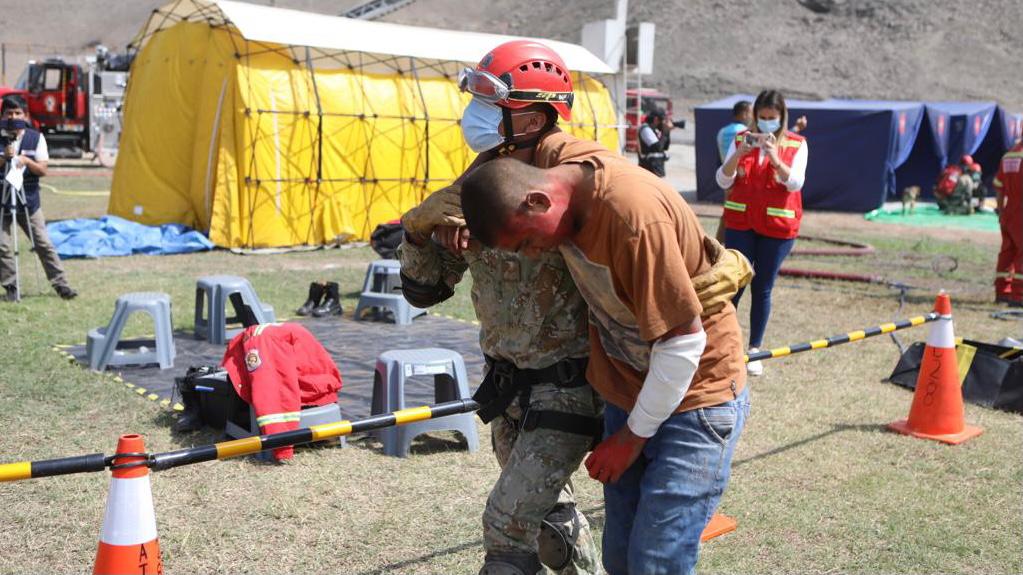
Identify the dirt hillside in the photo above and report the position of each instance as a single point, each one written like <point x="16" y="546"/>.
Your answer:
<point x="878" y="49"/>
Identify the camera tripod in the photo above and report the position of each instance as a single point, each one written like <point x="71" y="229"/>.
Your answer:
<point x="11" y="198"/>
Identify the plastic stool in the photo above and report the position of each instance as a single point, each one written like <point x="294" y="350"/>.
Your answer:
<point x="381" y="291"/>
<point x="102" y="344"/>
<point x="308" y="417"/>
<point x="450" y="384"/>
<point x="212" y="294"/>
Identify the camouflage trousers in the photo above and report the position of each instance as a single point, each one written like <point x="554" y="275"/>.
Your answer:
<point x="536" y="470"/>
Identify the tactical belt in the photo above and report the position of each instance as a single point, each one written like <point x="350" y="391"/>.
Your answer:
<point x="504" y="382"/>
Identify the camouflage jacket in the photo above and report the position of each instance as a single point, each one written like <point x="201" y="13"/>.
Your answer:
<point x="530" y="311"/>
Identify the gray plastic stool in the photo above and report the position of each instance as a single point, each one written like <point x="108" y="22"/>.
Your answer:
<point x="102" y="345"/>
<point x="381" y="291"/>
<point x="308" y="417"/>
<point x="450" y="384"/>
<point x="212" y="294"/>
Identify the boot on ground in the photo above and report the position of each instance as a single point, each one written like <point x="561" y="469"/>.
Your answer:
<point x="316" y="292"/>
<point x="331" y="301"/>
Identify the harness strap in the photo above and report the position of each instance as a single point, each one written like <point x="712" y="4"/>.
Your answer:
<point x="563" y="421"/>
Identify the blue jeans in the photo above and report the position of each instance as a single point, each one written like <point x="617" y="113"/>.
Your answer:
<point x="766" y="255"/>
<point x="657" y="510"/>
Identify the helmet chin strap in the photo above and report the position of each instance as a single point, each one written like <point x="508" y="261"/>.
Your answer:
<point x="509" y="146"/>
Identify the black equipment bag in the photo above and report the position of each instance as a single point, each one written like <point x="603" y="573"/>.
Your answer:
<point x="994" y="373"/>
<point x="386" y="238"/>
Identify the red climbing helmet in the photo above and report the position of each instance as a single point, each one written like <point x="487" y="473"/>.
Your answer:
<point x="966" y="160"/>
<point x="519" y="73"/>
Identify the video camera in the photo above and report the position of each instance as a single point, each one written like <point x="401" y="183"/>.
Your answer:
<point x="680" y="124"/>
<point x="9" y="130"/>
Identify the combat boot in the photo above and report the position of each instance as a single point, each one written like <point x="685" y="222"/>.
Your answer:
<point x="315" y="296"/>
<point x="331" y="303"/>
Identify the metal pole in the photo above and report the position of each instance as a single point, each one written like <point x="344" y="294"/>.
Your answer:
<point x="250" y="445"/>
<point x="3" y="63"/>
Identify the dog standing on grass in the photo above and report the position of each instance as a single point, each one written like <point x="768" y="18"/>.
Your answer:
<point x="909" y="197"/>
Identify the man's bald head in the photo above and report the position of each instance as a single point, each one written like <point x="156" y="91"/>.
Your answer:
<point x="517" y="207"/>
<point x="493" y="192"/>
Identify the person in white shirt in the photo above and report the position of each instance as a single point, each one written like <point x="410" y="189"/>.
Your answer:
<point x="764" y="173"/>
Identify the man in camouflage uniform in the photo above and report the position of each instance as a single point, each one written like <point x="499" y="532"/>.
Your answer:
<point x="533" y="331"/>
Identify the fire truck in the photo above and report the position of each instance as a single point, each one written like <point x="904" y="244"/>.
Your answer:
<point x="77" y="107"/>
<point x="634" y="116"/>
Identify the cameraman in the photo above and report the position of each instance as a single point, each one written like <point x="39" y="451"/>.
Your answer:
<point x="27" y="151"/>
<point x="654" y="139"/>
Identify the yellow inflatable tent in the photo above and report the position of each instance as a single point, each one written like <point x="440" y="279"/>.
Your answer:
<point x="268" y="127"/>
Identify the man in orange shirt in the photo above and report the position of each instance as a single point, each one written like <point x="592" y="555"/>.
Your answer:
<point x="670" y="369"/>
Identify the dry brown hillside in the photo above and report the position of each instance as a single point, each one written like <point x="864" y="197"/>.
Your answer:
<point x="879" y="49"/>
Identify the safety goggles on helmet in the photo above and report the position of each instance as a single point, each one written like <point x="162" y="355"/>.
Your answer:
<point x="492" y="89"/>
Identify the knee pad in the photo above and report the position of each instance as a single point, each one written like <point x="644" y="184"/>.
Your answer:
<point x="497" y="563"/>
<point x="559" y="532"/>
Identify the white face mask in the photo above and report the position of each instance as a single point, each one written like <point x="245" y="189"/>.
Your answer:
<point x="480" y="122"/>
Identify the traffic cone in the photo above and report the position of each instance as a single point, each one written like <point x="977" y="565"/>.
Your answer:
<point x="937" y="410"/>
<point x="128" y="543"/>
<point x="718" y="525"/>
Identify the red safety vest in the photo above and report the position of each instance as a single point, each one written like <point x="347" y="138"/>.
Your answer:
<point x="758" y="201"/>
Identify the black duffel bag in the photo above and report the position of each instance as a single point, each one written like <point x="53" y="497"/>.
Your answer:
<point x="994" y="373"/>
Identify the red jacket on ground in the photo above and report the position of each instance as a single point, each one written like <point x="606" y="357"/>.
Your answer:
<point x="278" y="368"/>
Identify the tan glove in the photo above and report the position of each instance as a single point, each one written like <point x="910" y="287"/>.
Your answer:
<point x="441" y="208"/>
<point x="730" y="271"/>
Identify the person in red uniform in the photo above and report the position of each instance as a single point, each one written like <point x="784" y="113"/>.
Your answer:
<point x="764" y="173"/>
<point x="277" y="368"/>
<point x="1008" y="188"/>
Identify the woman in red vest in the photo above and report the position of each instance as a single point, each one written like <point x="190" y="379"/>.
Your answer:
<point x="763" y="173"/>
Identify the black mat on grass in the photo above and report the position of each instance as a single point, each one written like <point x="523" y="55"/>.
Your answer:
<point x="354" y="345"/>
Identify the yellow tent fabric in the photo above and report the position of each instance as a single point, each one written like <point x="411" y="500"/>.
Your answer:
<point x="249" y="143"/>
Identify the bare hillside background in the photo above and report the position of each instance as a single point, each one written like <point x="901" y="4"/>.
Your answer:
<point x="877" y="49"/>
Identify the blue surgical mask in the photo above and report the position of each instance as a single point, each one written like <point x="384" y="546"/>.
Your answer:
<point x="480" y="122"/>
<point x="768" y="126"/>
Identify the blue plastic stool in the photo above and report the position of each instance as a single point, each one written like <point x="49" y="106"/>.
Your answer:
<point x="212" y="294"/>
<point x="450" y="383"/>
<point x="102" y="345"/>
<point x="381" y="292"/>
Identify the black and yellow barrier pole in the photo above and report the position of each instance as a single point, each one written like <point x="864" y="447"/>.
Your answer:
<point x="51" y="467"/>
<point x="250" y="445"/>
<point x="842" y="338"/>
<point x="237" y="447"/>
<point x="255" y="444"/>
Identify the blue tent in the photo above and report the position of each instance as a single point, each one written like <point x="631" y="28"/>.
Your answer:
<point x="1012" y="128"/>
<point x="954" y="129"/>
<point x="855" y="148"/>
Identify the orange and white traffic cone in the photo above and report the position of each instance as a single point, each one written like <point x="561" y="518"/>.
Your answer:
<point x="937" y="410"/>
<point x="128" y="543"/>
<point x="718" y="525"/>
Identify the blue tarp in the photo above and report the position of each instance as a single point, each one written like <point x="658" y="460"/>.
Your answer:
<point x="113" y="236"/>
<point x="855" y="148"/>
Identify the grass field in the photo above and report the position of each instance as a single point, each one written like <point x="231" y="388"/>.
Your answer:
<point x="818" y="486"/>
